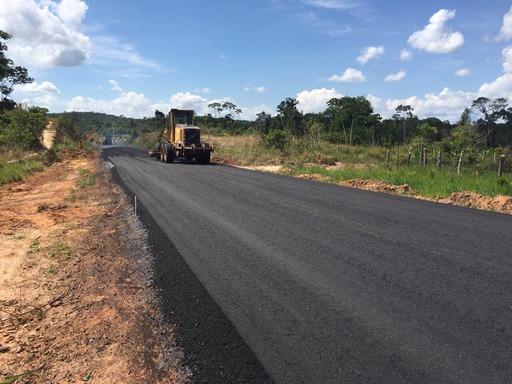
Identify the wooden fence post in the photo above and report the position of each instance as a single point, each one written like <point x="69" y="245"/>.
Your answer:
<point x="387" y="157"/>
<point x="501" y="164"/>
<point x="409" y="154"/>
<point x="460" y="161"/>
<point x="439" y="159"/>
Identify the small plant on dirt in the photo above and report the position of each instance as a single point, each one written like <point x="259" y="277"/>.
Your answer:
<point x="72" y="196"/>
<point x="52" y="269"/>
<point x="61" y="251"/>
<point x="87" y="178"/>
<point x="34" y="246"/>
<point x="14" y="378"/>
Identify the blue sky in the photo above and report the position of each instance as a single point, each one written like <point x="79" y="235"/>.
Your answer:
<point x="132" y="57"/>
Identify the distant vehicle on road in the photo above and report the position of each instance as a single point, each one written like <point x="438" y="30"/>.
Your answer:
<point x="107" y="140"/>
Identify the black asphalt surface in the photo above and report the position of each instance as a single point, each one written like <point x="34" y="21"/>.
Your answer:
<point x="324" y="284"/>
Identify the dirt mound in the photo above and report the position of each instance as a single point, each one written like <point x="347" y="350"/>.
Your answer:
<point x="313" y="176"/>
<point x="475" y="200"/>
<point x="501" y="204"/>
<point x="377" y="186"/>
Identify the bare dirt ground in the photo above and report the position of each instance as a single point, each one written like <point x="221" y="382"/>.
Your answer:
<point x="76" y="303"/>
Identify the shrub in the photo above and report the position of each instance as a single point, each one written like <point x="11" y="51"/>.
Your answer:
<point x="276" y="139"/>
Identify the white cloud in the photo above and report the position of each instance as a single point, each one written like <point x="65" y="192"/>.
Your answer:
<point x="436" y="37"/>
<point x="186" y="100"/>
<point x="128" y="104"/>
<point x="370" y="53"/>
<point x="507" y="59"/>
<point x="447" y="105"/>
<point x="71" y="12"/>
<point x="255" y="89"/>
<point x="322" y="25"/>
<point x="109" y="51"/>
<point x="115" y="86"/>
<point x="395" y="77"/>
<point x="35" y="87"/>
<point x="502" y="86"/>
<point x="350" y="75"/>
<point x="330" y="4"/>
<point x="462" y="72"/>
<point x="203" y="90"/>
<point x="315" y="101"/>
<point x="252" y="113"/>
<point x="46" y="100"/>
<point x="405" y="55"/>
<point x="506" y="28"/>
<point x="45" y="33"/>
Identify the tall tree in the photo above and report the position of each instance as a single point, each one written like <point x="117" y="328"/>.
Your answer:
<point x="263" y="122"/>
<point x="229" y="106"/>
<point x="405" y="112"/>
<point x="217" y="107"/>
<point x="491" y="110"/>
<point x="352" y="113"/>
<point x="291" y="117"/>
<point x="10" y="75"/>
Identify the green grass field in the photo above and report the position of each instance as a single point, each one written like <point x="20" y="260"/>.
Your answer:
<point x="339" y="163"/>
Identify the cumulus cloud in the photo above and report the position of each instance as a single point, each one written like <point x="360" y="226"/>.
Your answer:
<point x="186" y="100"/>
<point x="35" y="87"/>
<point x="447" y="105"/>
<point x="437" y="37"/>
<point x="315" y="101"/>
<point x="370" y="53"/>
<point x="507" y="59"/>
<point x="350" y="75"/>
<point x="129" y="104"/>
<point x="506" y="28"/>
<point x="462" y="72"/>
<point x="395" y="77"/>
<point x="405" y="55"/>
<point x="502" y="86"/>
<point x="203" y="90"/>
<point x="41" y="94"/>
<point x="253" y="112"/>
<point x="45" y="33"/>
<point x="71" y="12"/>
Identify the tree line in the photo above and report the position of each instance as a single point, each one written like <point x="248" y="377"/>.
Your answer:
<point x="345" y="120"/>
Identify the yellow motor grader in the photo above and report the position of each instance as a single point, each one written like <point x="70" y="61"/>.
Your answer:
<point x="181" y="139"/>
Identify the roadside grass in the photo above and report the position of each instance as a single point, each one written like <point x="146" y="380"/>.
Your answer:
<point x="15" y="170"/>
<point x="425" y="181"/>
<point x="86" y="178"/>
<point x="339" y="162"/>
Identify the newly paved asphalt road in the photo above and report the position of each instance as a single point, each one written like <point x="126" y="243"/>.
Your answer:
<point x="327" y="284"/>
